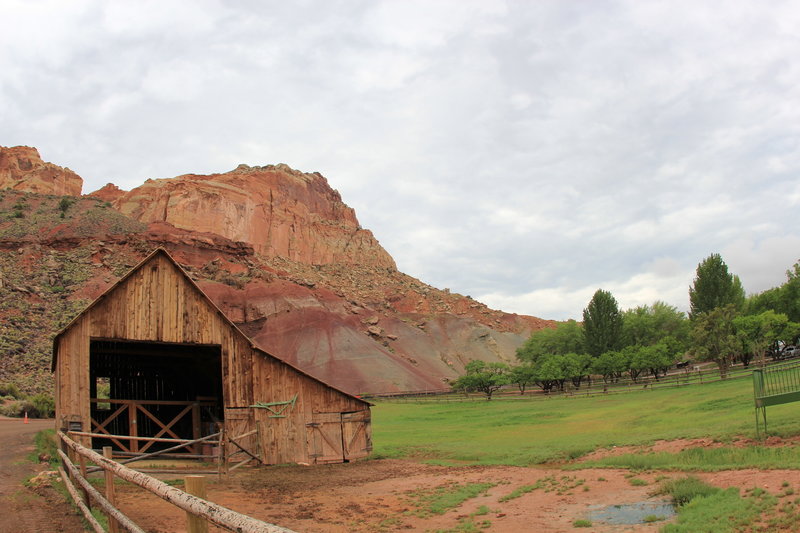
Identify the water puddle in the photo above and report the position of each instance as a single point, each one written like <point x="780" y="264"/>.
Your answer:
<point x="631" y="513"/>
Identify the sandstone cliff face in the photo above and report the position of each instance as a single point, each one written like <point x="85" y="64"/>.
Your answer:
<point x="22" y="169"/>
<point x="275" y="249"/>
<point x="279" y="211"/>
<point x="108" y="193"/>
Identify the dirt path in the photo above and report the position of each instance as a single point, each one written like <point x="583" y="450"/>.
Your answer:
<point x="23" y="509"/>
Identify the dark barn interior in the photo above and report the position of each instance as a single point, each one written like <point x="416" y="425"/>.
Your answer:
<point x="154" y="390"/>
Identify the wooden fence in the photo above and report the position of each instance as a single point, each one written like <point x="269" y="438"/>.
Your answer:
<point x="199" y="511"/>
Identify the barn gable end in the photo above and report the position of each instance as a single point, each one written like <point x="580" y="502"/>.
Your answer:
<point x="157" y="342"/>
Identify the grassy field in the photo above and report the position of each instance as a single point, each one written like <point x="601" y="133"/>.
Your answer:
<point x="528" y="432"/>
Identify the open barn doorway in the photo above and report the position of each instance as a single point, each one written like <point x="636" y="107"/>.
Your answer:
<point x="157" y="390"/>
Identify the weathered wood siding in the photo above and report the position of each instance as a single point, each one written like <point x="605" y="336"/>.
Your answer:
<point x="158" y="303"/>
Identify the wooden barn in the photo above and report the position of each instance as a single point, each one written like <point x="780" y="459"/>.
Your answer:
<point x="154" y="357"/>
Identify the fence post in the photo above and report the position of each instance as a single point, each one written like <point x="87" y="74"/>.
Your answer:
<point x="196" y="485"/>
<point x="82" y="464"/>
<point x="111" y="496"/>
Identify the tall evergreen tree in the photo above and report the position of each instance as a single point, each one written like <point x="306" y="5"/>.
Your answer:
<point x="714" y="287"/>
<point x="602" y="324"/>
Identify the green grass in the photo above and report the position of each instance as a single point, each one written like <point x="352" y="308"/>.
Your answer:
<point x="704" y="459"/>
<point x="519" y="491"/>
<point x="560" y="485"/>
<point x="723" y="511"/>
<point x="439" y="500"/>
<point x="706" y="509"/>
<point x="684" y="490"/>
<point x="528" y="432"/>
<point x="45" y="442"/>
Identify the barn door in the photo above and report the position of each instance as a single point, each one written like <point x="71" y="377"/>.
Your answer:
<point x="356" y="434"/>
<point x="340" y="437"/>
<point x="326" y="438"/>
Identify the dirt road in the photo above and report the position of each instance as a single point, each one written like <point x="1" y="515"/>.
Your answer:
<point x="21" y="508"/>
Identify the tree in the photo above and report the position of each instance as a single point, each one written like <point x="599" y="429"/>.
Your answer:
<point x="784" y="299"/>
<point x="647" y="325"/>
<point x="522" y="376"/>
<point x="757" y="333"/>
<point x="714" y="337"/>
<point x="483" y="377"/>
<point x="550" y="372"/>
<point x="566" y="337"/>
<point x="660" y="357"/>
<point x="714" y="287"/>
<point x="635" y="360"/>
<point x="602" y="324"/>
<point x="576" y="367"/>
<point x="611" y="365"/>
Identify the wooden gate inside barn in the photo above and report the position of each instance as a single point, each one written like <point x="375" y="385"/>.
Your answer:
<point x="339" y="437"/>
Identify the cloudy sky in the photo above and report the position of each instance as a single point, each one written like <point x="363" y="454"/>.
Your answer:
<point x="525" y="153"/>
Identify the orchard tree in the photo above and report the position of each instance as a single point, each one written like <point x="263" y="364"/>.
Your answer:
<point x="522" y="376"/>
<point x="660" y="357"/>
<point x="576" y="367"/>
<point x="602" y="324"/>
<point x="714" y="287"/>
<point x="550" y="372"/>
<point x="636" y="361"/>
<point x="483" y="377"/>
<point x="714" y="337"/>
<point x="611" y="365"/>
<point x="757" y="333"/>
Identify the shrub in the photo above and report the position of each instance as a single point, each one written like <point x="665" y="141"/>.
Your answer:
<point x="44" y="406"/>
<point x="9" y="389"/>
<point x="683" y="490"/>
<point x="37" y="406"/>
<point x="65" y="204"/>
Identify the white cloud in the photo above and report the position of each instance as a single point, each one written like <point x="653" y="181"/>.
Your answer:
<point x="527" y="152"/>
<point x="762" y="264"/>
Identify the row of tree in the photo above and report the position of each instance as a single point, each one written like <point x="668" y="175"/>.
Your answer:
<point x="722" y="326"/>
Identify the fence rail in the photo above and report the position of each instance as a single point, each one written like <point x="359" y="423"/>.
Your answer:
<point x="597" y="387"/>
<point x="221" y="516"/>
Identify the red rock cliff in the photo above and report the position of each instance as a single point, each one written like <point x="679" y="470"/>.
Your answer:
<point x="281" y="212"/>
<point x="22" y="169"/>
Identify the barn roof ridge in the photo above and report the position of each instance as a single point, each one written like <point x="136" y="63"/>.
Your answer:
<point x="162" y="251"/>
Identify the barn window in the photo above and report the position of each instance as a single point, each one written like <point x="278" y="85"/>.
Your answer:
<point x="101" y="391"/>
<point x="164" y="390"/>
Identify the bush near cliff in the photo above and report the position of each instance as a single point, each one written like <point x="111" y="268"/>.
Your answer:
<point x="13" y="403"/>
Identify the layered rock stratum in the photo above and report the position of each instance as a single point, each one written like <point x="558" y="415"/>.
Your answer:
<point x="22" y="169"/>
<point x="278" y="210"/>
<point x="275" y="248"/>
